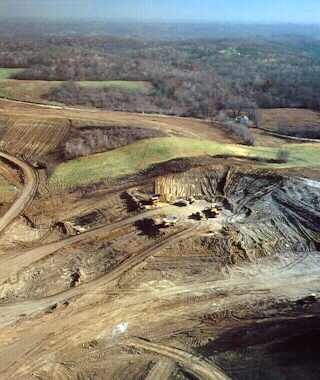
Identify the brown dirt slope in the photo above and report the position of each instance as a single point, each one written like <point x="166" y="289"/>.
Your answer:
<point x="31" y="138"/>
<point x="290" y="116"/>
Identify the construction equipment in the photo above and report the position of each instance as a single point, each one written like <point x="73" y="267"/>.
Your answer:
<point x="154" y="198"/>
<point x="199" y="215"/>
<point x="182" y="202"/>
<point x="213" y="211"/>
<point x="171" y="221"/>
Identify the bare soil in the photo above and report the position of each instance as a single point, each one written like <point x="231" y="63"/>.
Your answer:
<point x="291" y="116"/>
<point x="94" y="286"/>
<point x="187" y="127"/>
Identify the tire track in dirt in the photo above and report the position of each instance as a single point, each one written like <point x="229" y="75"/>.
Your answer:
<point x="240" y="288"/>
<point x="202" y="369"/>
<point x="30" y="186"/>
<point x="161" y="371"/>
<point x="27" y="308"/>
<point x="15" y="263"/>
<point x="9" y="313"/>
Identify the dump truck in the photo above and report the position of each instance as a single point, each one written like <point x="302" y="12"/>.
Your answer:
<point x="171" y="221"/>
<point x="182" y="202"/>
<point x="154" y="198"/>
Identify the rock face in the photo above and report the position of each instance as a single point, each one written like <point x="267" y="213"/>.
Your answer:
<point x="269" y="212"/>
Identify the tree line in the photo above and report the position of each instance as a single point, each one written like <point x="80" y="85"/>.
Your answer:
<point x="195" y="78"/>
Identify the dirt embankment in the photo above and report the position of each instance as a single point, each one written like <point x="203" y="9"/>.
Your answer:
<point x="268" y="212"/>
<point x="30" y="185"/>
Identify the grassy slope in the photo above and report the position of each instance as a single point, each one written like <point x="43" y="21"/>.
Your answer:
<point x="113" y="83"/>
<point x="138" y="156"/>
<point x="301" y="155"/>
<point x="25" y="89"/>
<point x="5" y="188"/>
<point x="34" y="89"/>
<point x="5" y="74"/>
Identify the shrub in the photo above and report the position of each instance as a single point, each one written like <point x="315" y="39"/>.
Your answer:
<point x="283" y="156"/>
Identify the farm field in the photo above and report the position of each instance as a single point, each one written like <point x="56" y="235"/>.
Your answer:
<point x="6" y="73"/>
<point x="184" y="126"/>
<point x="115" y="83"/>
<point x="26" y="90"/>
<point x="34" y="90"/>
<point x="272" y="117"/>
<point x="32" y="138"/>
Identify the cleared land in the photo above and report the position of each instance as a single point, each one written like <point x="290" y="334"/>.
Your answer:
<point x="291" y="116"/>
<point x="95" y="286"/>
<point x="26" y="90"/>
<point x="115" y="83"/>
<point x="34" y="90"/>
<point x="31" y="138"/>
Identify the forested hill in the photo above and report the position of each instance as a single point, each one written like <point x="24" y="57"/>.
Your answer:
<point x="169" y="30"/>
<point x="191" y="77"/>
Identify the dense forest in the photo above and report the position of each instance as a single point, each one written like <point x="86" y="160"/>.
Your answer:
<point x="28" y="29"/>
<point x="193" y="77"/>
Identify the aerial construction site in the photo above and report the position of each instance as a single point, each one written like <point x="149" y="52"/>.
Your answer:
<point x="148" y="247"/>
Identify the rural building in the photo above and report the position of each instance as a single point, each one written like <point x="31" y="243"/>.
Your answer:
<point x="242" y="120"/>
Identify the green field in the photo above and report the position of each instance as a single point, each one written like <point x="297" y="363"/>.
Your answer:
<point x="113" y="83"/>
<point x="139" y="155"/>
<point x="35" y="89"/>
<point x="5" y="74"/>
<point x="301" y="155"/>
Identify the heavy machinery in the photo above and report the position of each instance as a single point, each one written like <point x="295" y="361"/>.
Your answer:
<point x="199" y="215"/>
<point x="213" y="211"/>
<point x="182" y="202"/>
<point x="171" y="221"/>
<point x="154" y="198"/>
<point x="191" y="200"/>
<point x="185" y="202"/>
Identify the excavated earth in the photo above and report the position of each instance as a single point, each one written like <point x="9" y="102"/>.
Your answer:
<point x="217" y="298"/>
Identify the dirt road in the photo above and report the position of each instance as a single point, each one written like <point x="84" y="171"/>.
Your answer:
<point x="249" y="283"/>
<point x="30" y="186"/>
<point x="161" y="371"/>
<point x="202" y="369"/>
<point x="15" y="263"/>
<point x="9" y="313"/>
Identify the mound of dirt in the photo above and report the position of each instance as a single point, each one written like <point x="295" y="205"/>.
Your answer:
<point x="21" y="230"/>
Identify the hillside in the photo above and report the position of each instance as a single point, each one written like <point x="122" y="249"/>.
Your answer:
<point x="190" y="77"/>
<point x="159" y="206"/>
<point x="28" y="29"/>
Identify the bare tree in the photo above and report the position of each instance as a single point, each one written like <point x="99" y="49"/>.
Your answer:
<point x="256" y="117"/>
<point x="283" y="155"/>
